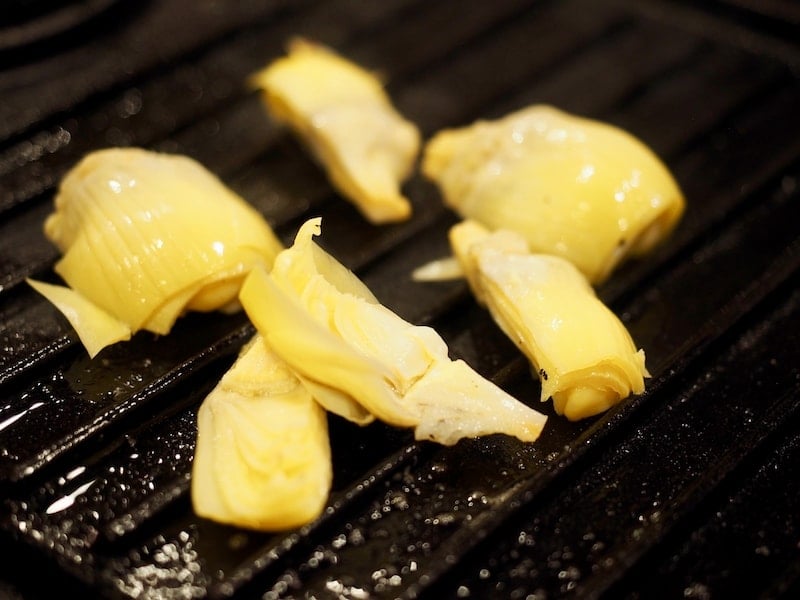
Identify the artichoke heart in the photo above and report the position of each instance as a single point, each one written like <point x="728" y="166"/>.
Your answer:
<point x="263" y="457"/>
<point x="362" y="361"/>
<point x="348" y="122"/>
<point x="582" y="353"/>
<point x="146" y="237"/>
<point x="573" y="187"/>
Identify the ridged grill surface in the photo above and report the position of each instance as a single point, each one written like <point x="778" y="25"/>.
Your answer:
<point x="689" y="490"/>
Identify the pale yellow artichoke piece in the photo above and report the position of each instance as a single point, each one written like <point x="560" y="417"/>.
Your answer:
<point x="360" y="360"/>
<point x="440" y="269"/>
<point x="456" y="402"/>
<point x="573" y="187"/>
<point x="583" y="354"/>
<point x="147" y="236"/>
<point x="95" y="327"/>
<point x="262" y="458"/>
<point x="347" y="120"/>
<point x="305" y="316"/>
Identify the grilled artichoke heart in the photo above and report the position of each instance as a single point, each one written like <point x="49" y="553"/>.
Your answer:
<point x="348" y="122"/>
<point x="360" y="360"/>
<point x="146" y="237"/>
<point x="262" y="458"/>
<point x="572" y="187"/>
<point x="582" y="353"/>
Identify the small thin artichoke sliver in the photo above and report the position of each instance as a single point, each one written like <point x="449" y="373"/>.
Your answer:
<point x="582" y="353"/>
<point x="360" y="360"/>
<point x="573" y="187"/>
<point x="348" y="122"/>
<point x="147" y="236"/>
<point x="95" y="327"/>
<point x="440" y="269"/>
<point x="262" y="458"/>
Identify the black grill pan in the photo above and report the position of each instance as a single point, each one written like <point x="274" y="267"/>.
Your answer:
<point x="689" y="490"/>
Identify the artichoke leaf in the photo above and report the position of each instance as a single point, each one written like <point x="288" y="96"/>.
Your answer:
<point x="95" y="327"/>
<point x="348" y="383"/>
<point x="455" y="402"/>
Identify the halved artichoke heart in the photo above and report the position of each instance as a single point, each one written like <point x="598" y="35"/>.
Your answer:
<point x="348" y="122"/>
<point x="582" y="353"/>
<point x="263" y="457"/>
<point x="573" y="187"/>
<point x="146" y="237"/>
<point x="360" y="360"/>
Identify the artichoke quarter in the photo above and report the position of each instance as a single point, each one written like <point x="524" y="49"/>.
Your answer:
<point x="145" y="237"/>
<point x="573" y="187"/>
<point x="362" y="361"/>
<point x="581" y="352"/>
<point x="349" y="124"/>
<point x="262" y="458"/>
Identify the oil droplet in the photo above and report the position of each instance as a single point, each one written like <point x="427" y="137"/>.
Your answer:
<point x="697" y="590"/>
<point x="237" y="541"/>
<point x="763" y="550"/>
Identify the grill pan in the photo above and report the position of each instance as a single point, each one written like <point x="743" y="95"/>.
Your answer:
<point x="689" y="490"/>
